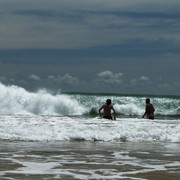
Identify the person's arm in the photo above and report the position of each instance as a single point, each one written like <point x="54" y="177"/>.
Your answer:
<point x="145" y="112"/>
<point x="114" y="113"/>
<point x="100" y="110"/>
<point x="152" y="108"/>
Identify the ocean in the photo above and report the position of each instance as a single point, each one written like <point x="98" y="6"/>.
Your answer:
<point x="61" y="136"/>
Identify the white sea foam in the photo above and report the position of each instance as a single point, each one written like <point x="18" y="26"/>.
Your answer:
<point x="16" y="100"/>
<point x="129" y="109"/>
<point x="59" y="128"/>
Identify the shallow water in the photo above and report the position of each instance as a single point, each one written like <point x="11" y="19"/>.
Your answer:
<point x="89" y="160"/>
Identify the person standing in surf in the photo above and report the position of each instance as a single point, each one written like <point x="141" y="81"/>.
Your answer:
<point x="107" y="110"/>
<point x="149" y="110"/>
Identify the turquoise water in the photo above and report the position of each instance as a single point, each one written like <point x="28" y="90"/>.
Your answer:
<point x="16" y="100"/>
<point x="167" y="107"/>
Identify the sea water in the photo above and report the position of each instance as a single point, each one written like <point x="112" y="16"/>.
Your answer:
<point x="51" y="134"/>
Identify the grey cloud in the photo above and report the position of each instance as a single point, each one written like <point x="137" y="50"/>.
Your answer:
<point x="3" y="79"/>
<point x="80" y="39"/>
<point x="114" y="23"/>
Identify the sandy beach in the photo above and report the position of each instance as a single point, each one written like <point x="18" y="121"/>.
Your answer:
<point x="89" y="160"/>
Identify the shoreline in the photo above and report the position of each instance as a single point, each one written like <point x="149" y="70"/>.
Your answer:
<point x="89" y="160"/>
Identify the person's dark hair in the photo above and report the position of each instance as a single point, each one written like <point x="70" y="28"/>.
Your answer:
<point x="147" y="100"/>
<point x="108" y="101"/>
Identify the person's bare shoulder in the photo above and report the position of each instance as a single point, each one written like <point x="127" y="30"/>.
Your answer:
<point x="112" y="107"/>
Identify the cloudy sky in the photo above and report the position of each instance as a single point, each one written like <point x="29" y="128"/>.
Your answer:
<point x="108" y="46"/>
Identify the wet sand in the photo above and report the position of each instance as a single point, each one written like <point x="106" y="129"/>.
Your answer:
<point x="89" y="160"/>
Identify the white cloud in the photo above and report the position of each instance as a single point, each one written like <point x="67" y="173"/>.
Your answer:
<point x="52" y="78"/>
<point x="109" y="77"/>
<point x="65" y="79"/>
<point x="144" y="78"/>
<point x="34" y="77"/>
<point x="70" y="80"/>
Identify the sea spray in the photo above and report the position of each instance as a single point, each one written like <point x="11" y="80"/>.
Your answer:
<point x="16" y="100"/>
<point x="61" y="128"/>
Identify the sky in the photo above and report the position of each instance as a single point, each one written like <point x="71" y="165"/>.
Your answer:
<point x="97" y="46"/>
